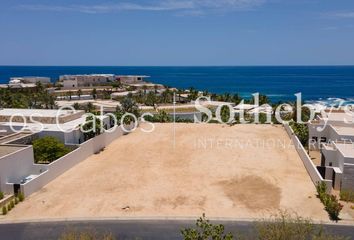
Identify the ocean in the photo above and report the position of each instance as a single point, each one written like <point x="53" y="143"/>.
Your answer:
<point x="324" y="84"/>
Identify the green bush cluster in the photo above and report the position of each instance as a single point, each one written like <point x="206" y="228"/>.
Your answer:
<point x="2" y="195"/>
<point x="4" y="210"/>
<point x="282" y="226"/>
<point x="21" y="197"/>
<point x="347" y="196"/>
<point x="10" y="206"/>
<point x="7" y="208"/>
<point x="331" y="202"/>
<point x="301" y="131"/>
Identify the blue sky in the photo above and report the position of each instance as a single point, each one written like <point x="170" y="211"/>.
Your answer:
<point x="177" y="32"/>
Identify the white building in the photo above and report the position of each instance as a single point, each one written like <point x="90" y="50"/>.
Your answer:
<point x="62" y="124"/>
<point x="330" y="126"/>
<point x="34" y="80"/>
<point x="75" y="81"/>
<point x="332" y="133"/>
<point x="19" y="127"/>
<point x="132" y="79"/>
<point x="338" y="160"/>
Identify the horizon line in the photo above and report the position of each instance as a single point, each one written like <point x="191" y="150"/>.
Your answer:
<point x="293" y="65"/>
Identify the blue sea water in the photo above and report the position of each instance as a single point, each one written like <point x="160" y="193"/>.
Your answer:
<point x="326" y="83"/>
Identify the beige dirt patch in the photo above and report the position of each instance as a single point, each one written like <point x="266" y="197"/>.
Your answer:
<point x="253" y="192"/>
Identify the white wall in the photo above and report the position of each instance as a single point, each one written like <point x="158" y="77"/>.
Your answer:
<point x="15" y="167"/>
<point x="309" y="165"/>
<point x="348" y="177"/>
<point x="63" y="164"/>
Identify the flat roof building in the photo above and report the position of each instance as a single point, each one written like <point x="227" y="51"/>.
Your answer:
<point x="332" y="134"/>
<point x="34" y="80"/>
<point x="132" y="79"/>
<point x="86" y="80"/>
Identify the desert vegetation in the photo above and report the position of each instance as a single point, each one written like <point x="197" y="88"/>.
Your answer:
<point x="48" y="149"/>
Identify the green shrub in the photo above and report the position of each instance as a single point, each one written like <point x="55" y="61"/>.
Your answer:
<point x="282" y="226"/>
<point x="16" y="200"/>
<point x="9" y="207"/>
<point x="347" y="196"/>
<point x="12" y="203"/>
<point x="21" y="197"/>
<point x="301" y="131"/>
<point x="205" y="230"/>
<point x="331" y="203"/>
<point x="333" y="207"/>
<point x="4" y="210"/>
<point x="1" y="195"/>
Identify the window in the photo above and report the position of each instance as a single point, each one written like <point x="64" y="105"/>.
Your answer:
<point x="330" y="164"/>
<point x="323" y="139"/>
<point x="314" y="139"/>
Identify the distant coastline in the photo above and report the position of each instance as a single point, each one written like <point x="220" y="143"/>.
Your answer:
<point x="322" y="84"/>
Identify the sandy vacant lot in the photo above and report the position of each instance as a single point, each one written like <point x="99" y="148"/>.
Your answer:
<point x="244" y="171"/>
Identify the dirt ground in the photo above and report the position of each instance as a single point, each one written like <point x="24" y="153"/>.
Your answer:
<point x="244" y="171"/>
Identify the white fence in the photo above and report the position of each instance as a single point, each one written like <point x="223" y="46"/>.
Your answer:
<point x="308" y="163"/>
<point x="63" y="164"/>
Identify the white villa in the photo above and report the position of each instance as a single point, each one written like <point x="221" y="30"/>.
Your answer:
<point x="75" y="81"/>
<point x="132" y="79"/>
<point x="332" y="133"/>
<point x="18" y="172"/>
<point x="16" y="80"/>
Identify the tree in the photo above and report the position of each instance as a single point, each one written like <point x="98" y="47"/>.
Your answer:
<point x="155" y="88"/>
<point x="128" y="105"/>
<point x="151" y="99"/>
<point x="117" y="85"/>
<point x="69" y="94"/>
<point x="92" y="127"/>
<point x="48" y="149"/>
<point x="79" y="93"/>
<point x="145" y="88"/>
<point x="301" y="131"/>
<point x="76" y="106"/>
<point x="90" y="108"/>
<point x="94" y="93"/>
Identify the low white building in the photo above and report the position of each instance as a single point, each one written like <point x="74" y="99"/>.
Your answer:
<point x="75" y="81"/>
<point x="332" y="133"/>
<point x="330" y="126"/>
<point x="34" y="80"/>
<point x="338" y="160"/>
<point x="19" y="127"/>
<point x="62" y="124"/>
<point x="132" y="79"/>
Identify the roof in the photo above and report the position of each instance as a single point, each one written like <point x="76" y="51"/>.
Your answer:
<point x="346" y="149"/>
<point x="344" y="131"/>
<point x="8" y="149"/>
<point x="34" y="112"/>
<point x="338" y="116"/>
<point x="67" y="126"/>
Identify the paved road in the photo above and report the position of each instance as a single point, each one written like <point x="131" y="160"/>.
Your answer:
<point x="145" y="230"/>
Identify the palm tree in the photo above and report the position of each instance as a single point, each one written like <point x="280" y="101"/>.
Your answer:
<point x="155" y="88"/>
<point x="69" y="94"/>
<point x="144" y="88"/>
<point x="94" y="93"/>
<point x="79" y="93"/>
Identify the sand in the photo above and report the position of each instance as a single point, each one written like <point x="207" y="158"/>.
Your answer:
<point x="243" y="171"/>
